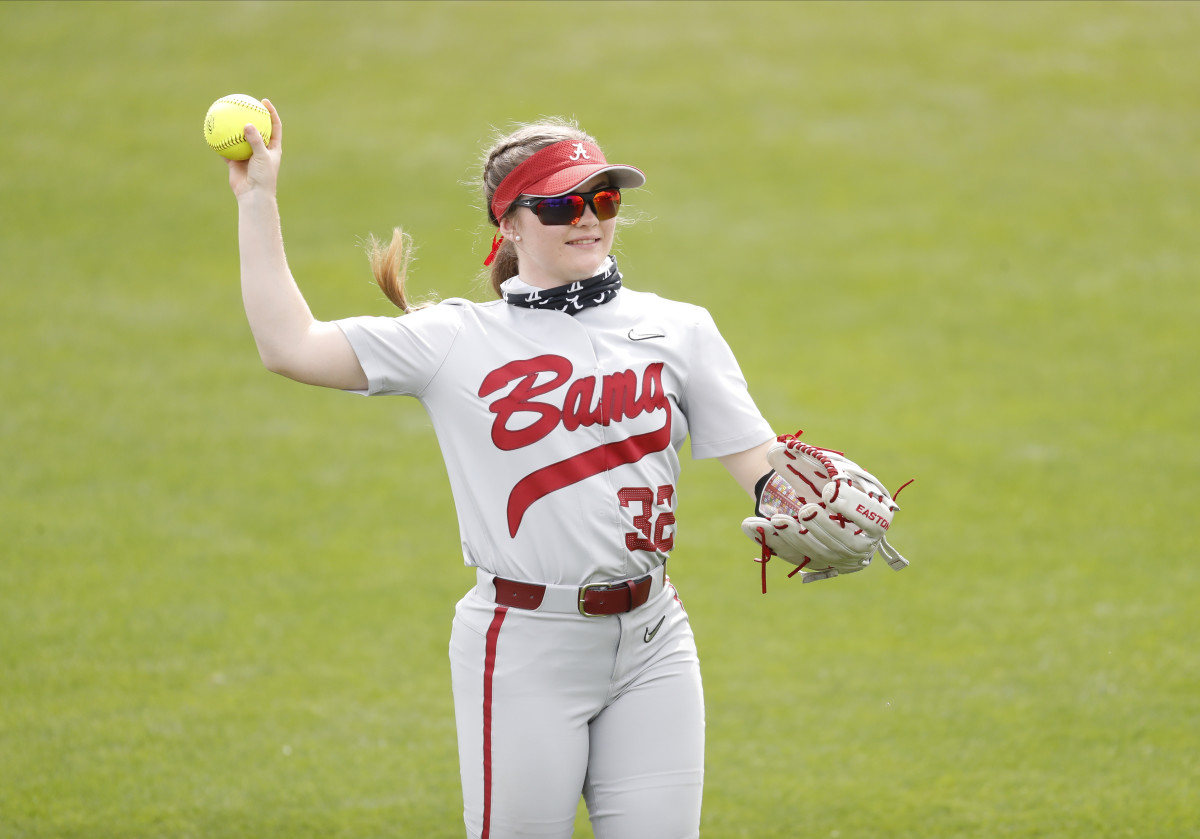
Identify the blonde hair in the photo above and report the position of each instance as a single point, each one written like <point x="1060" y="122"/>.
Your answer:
<point x="389" y="263"/>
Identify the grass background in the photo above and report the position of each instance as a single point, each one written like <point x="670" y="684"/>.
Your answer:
<point x="957" y="240"/>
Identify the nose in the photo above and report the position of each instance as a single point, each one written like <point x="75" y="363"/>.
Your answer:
<point x="589" y="216"/>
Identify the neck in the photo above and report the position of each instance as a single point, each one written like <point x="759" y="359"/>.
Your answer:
<point x="570" y="297"/>
<point x="532" y="274"/>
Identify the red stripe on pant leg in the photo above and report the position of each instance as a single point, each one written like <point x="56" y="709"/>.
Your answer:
<point x="489" y="665"/>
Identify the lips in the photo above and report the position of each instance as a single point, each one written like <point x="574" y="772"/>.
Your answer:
<point x="584" y="241"/>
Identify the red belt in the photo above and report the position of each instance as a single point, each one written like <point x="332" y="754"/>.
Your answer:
<point x="594" y="598"/>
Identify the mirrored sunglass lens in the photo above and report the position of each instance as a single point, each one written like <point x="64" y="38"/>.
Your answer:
<point x="607" y="203"/>
<point x="566" y="209"/>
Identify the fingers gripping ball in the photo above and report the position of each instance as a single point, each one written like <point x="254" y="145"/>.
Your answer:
<point x="225" y="124"/>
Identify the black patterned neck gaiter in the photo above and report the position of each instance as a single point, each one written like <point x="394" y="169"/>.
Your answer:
<point x="573" y="297"/>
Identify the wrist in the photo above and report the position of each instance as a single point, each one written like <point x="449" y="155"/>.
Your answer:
<point x="758" y="492"/>
<point x="258" y="197"/>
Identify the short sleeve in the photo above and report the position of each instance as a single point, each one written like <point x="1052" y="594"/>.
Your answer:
<point x="722" y="417"/>
<point x="401" y="355"/>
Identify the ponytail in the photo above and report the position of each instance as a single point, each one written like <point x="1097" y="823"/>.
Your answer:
<point x="390" y="267"/>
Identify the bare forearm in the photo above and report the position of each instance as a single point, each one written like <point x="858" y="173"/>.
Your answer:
<point x="290" y="341"/>
<point x="278" y="314"/>
<point x="748" y="466"/>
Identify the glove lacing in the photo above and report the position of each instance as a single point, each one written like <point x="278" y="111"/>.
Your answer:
<point x="890" y="554"/>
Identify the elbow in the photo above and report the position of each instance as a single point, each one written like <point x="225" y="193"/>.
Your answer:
<point x="289" y="371"/>
<point x="276" y="362"/>
<point x="293" y="366"/>
<point x="320" y="358"/>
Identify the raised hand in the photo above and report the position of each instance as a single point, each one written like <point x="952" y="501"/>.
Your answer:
<point x="260" y="173"/>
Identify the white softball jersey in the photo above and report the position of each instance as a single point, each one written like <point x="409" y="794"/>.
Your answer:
<point x="561" y="433"/>
<point x="561" y="438"/>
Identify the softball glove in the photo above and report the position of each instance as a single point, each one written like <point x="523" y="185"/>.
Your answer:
<point x="822" y="512"/>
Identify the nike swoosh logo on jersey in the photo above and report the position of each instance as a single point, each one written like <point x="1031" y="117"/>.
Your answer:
<point x="650" y="633"/>
<point x="636" y="334"/>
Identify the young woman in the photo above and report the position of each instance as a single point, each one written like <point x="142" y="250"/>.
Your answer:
<point x="560" y="409"/>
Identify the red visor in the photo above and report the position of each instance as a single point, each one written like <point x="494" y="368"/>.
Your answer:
<point x="558" y="169"/>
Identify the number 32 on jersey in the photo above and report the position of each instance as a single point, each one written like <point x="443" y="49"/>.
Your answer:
<point x="653" y="514"/>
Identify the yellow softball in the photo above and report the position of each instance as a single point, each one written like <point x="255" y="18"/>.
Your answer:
<point x="226" y="121"/>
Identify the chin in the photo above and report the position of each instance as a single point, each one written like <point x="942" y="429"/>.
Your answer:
<point x="585" y="266"/>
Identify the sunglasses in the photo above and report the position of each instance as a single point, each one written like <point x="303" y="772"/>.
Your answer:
<point x="568" y="209"/>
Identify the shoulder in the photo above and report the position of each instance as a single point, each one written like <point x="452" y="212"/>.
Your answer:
<point x="445" y="318"/>
<point x="459" y="307"/>
<point x="451" y="311"/>
<point x="648" y="309"/>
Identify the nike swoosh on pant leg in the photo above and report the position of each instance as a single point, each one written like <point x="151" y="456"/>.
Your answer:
<point x="650" y="633"/>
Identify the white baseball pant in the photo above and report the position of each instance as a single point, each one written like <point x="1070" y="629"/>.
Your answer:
<point x="549" y="704"/>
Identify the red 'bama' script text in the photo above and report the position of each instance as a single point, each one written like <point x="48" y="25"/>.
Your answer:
<point x="619" y="398"/>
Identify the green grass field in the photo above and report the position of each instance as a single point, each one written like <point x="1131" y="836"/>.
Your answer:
<point x="957" y="240"/>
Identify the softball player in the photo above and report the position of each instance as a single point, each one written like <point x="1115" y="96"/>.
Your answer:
<point x="560" y="409"/>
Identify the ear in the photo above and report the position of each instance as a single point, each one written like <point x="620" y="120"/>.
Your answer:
<point x="507" y="228"/>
